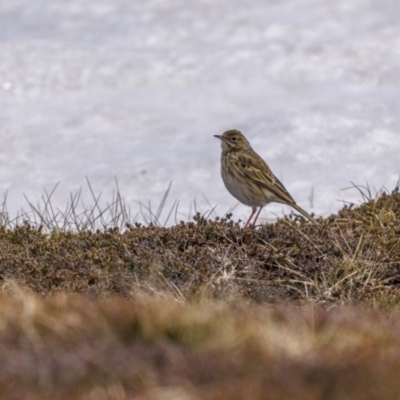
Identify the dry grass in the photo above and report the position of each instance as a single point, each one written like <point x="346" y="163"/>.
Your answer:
<point x="352" y="257"/>
<point x="204" y="309"/>
<point x="69" y="347"/>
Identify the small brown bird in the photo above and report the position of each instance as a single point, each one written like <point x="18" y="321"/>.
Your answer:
<point x="248" y="178"/>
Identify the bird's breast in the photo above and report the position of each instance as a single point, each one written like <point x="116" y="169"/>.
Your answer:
<point x="241" y="190"/>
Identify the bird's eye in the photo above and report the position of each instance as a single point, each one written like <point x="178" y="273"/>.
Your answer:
<point x="233" y="139"/>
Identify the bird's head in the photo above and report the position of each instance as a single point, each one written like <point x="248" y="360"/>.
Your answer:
<point x="233" y="140"/>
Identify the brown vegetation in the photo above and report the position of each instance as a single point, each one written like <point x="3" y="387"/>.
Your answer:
<point x="351" y="257"/>
<point x="68" y="347"/>
<point x="205" y="309"/>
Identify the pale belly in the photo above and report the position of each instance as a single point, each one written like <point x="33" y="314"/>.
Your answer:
<point x="245" y="195"/>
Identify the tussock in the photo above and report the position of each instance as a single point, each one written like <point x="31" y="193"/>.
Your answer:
<point x="204" y="309"/>
<point x="352" y="257"/>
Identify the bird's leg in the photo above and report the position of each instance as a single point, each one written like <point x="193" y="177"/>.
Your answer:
<point x="255" y="219"/>
<point x="251" y="216"/>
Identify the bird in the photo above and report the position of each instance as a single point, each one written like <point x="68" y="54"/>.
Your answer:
<point x="249" y="179"/>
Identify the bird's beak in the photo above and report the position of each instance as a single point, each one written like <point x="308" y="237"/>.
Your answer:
<point x="219" y="137"/>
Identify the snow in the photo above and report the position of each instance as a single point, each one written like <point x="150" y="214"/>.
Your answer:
<point x="136" y="90"/>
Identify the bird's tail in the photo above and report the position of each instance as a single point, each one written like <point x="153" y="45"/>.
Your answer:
<point x="304" y="213"/>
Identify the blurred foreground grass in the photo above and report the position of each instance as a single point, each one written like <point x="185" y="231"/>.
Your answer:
<point x="204" y="309"/>
<point x="70" y="347"/>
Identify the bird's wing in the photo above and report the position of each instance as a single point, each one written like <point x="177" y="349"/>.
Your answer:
<point x="253" y="168"/>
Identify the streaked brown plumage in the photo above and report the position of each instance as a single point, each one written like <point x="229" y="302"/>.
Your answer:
<point x="248" y="178"/>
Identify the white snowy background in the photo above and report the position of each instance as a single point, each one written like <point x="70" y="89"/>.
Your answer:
<point x="137" y="89"/>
